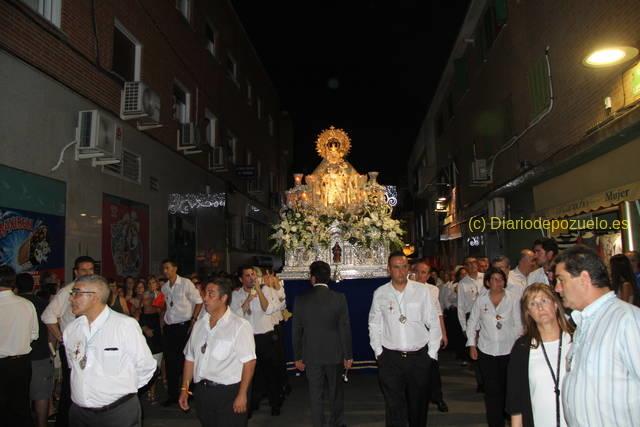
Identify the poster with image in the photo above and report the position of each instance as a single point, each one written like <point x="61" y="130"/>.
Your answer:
<point x="32" y="242"/>
<point x="125" y="237"/>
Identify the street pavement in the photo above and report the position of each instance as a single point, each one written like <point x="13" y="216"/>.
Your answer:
<point x="364" y="404"/>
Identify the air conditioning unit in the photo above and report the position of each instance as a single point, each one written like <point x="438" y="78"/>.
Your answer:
<point x="480" y="172"/>
<point x="138" y="101"/>
<point x="97" y="135"/>
<point x="217" y="162"/>
<point x="189" y="139"/>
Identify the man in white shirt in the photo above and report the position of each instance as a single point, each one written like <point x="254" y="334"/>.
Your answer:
<point x="468" y="290"/>
<point x="109" y="359"/>
<point x="502" y="262"/>
<point x="220" y="358"/>
<point x="545" y="251"/>
<point x="526" y="264"/>
<point x="256" y="304"/>
<point x="57" y="316"/>
<point x="18" y="327"/>
<point x="423" y="275"/>
<point x="182" y="304"/>
<point x="280" y="297"/>
<point x="602" y="384"/>
<point x="402" y="321"/>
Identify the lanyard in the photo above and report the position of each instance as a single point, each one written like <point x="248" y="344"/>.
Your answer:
<point x="555" y="376"/>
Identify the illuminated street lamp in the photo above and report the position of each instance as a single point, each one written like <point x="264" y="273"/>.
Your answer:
<point x="610" y="56"/>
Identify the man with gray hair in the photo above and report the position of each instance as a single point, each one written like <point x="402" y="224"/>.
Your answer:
<point x="108" y="357"/>
<point x="526" y="264"/>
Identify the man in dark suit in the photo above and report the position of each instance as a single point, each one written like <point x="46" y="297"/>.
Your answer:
<point x="322" y="343"/>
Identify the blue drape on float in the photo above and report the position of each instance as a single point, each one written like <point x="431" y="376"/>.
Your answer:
<point x="359" y="293"/>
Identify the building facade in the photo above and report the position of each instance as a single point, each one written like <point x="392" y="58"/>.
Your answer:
<point x="523" y="128"/>
<point x="139" y="130"/>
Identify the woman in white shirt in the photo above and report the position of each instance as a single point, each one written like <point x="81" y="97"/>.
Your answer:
<point x="493" y="327"/>
<point x="538" y="361"/>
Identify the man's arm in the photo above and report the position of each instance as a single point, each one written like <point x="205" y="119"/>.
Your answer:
<point x="375" y="326"/>
<point x="297" y="330"/>
<point x="145" y="364"/>
<point x="462" y="318"/>
<point x="240" y="402"/>
<point x="433" y="323"/>
<point x="187" y="376"/>
<point x="344" y="326"/>
<point x="54" y="311"/>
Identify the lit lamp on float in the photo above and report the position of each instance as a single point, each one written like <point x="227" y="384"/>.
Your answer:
<point x="609" y="56"/>
<point x="408" y="249"/>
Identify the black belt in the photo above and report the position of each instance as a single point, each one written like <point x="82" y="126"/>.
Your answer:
<point x="20" y="356"/>
<point x="115" y="404"/>
<point x="207" y="383"/>
<point x="407" y="353"/>
<point x="179" y="324"/>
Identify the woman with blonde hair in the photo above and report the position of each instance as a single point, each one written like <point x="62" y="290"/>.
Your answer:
<point x="538" y="360"/>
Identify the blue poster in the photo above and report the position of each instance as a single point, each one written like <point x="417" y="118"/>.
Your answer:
<point x="31" y="242"/>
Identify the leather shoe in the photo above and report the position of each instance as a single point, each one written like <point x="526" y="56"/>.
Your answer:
<point x="275" y="411"/>
<point x="442" y="406"/>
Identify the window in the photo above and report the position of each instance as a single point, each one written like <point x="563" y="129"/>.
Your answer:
<point x="538" y="78"/>
<point x="232" y="143"/>
<point x="271" y="126"/>
<point x="126" y="54"/>
<point x="184" y="7"/>
<point x="258" y="170"/>
<point x="259" y="106"/>
<point x="249" y="157"/>
<point x="232" y="68"/>
<point x="211" y="129"/>
<point x="249" y="94"/>
<point x="49" y="9"/>
<point x="129" y="168"/>
<point x="181" y="101"/>
<point x="211" y="36"/>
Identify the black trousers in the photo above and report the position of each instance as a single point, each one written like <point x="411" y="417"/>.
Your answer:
<point x="436" y="382"/>
<point x="127" y="414"/>
<point x="266" y="378"/>
<point x="214" y="405"/>
<point x="62" y="418"/>
<point x="318" y="376"/>
<point x="494" y="376"/>
<point x="454" y="333"/>
<point x="405" y="383"/>
<point x="15" y="379"/>
<point x="281" y="359"/>
<point x="175" y="338"/>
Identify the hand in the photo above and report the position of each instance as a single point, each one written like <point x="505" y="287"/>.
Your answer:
<point x="300" y="365"/>
<point x="473" y="353"/>
<point x="147" y="331"/>
<point x="348" y="363"/>
<point x="183" y="400"/>
<point x="444" y="342"/>
<point x="240" y="403"/>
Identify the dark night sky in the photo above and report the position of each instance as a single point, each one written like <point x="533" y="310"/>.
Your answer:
<point x="385" y="57"/>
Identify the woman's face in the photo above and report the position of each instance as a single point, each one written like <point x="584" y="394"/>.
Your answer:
<point x="542" y="308"/>
<point x="153" y="285"/>
<point x="496" y="282"/>
<point x="130" y="283"/>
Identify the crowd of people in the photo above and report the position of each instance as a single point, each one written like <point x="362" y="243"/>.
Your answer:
<point x="551" y="341"/>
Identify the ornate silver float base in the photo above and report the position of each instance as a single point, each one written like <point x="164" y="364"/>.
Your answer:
<point x="347" y="262"/>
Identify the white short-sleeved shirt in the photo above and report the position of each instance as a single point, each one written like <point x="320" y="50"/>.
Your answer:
<point x="180" y="300"/>
<point x="219" y="353"/>
<point x="18" y="325"/>
<point x="118" y="360"/>
<point x="259" y="319"/>
<point x="421" y="325"/>
<point x="59" y="309"/>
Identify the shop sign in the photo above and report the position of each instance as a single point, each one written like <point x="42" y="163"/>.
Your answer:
<point x="631" y="84"/>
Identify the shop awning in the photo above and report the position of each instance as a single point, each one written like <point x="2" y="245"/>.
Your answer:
<point x="601" y="183"/>
<point x="451" y="232"/>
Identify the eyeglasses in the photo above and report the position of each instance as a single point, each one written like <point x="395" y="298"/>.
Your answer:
<point x="539" y="303"/>
<point x="77" y="291"/>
